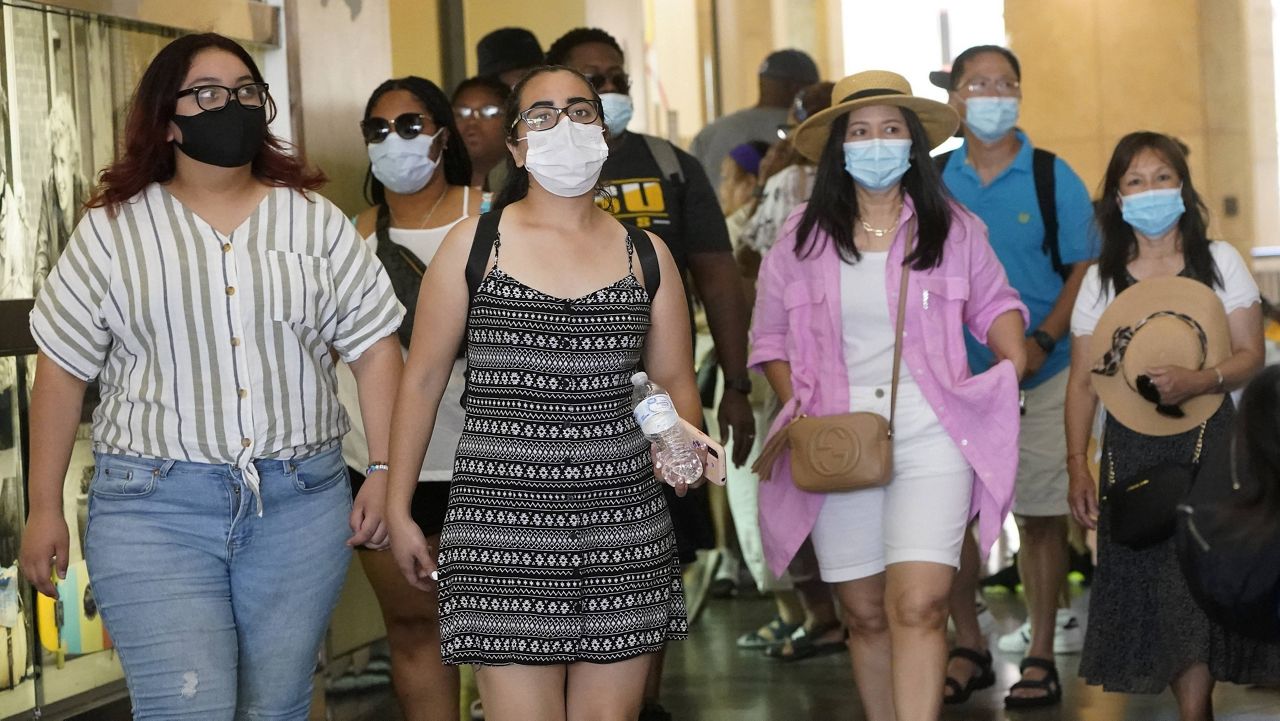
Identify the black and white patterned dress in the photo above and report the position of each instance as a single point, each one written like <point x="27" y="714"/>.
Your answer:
<point x="557" y="545"/>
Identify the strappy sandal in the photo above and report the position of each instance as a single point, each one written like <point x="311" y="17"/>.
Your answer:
<point x="804" y="643"/>
<point x="1050" y="684"/>
<point x="984" y="677"/>
<point x="778" y="631"/>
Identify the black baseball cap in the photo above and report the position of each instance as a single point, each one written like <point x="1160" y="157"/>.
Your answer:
<point x="507" y="49"/>
<point x="790" y="64"/>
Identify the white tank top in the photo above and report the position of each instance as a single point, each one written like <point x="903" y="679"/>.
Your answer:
<point x="438" y="465"/>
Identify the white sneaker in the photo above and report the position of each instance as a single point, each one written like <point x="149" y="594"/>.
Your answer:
<point x="1068" y="637"/>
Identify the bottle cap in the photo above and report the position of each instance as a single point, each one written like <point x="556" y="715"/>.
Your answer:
<point x="639" y="378"/>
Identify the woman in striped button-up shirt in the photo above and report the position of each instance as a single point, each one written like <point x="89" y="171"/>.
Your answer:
<point x="208" y="290"/>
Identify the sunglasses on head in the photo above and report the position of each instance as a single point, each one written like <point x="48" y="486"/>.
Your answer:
<point x="621" y="82"/>
<point x="1147" y="389"/>
<point x="407" y="126"/>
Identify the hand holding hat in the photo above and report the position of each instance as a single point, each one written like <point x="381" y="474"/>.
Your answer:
<point x="1147" y="342"/>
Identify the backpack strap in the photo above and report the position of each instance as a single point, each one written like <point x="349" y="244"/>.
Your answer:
<point x="481" y="246"/>
<point x="940" y="161"/>
<point x="648" y="259"/>
<point x="664" y="155"/>
<point x="1042" y="165"/>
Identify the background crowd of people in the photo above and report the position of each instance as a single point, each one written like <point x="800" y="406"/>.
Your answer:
<point x="528" y="252"/>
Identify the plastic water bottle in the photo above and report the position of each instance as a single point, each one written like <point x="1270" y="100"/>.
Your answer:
<point x="658" y="420"/>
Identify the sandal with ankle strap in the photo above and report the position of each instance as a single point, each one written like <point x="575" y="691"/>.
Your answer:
<point x="1050" y="684"/>
<point x="984" y="677"/>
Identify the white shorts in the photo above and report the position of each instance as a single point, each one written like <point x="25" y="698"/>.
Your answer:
<point x="1041" y="487"/>
<point x="921" y="515"/>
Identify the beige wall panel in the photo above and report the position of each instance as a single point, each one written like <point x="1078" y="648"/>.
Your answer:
<point x="1057" y="43"/>
<point x="333" y="89"/>
<point x="1149" y="51"/>
<point x="547" y="19"/>
<point x="745" y="38"/>
<point x="415" y="38"/>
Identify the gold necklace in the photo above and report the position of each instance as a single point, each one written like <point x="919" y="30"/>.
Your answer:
<point x="427" y="217"/>
<point x="882" y="232"/>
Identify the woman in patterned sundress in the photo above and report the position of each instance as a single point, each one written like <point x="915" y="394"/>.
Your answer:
<point x="558" y="577"/>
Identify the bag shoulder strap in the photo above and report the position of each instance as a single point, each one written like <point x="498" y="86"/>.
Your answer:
<point x="664" y="155"/>
<point x="481" y="246"/>
<point x="902" y="309"/>
<point x="648" y="259"/>
<point x="940" y="161"/>
<point x="1042" y="172"/>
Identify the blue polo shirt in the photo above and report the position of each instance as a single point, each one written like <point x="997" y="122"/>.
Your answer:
<point x="1009" y="207"/>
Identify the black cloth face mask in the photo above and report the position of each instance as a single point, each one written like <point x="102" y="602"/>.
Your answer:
<point x="227" y="138"/>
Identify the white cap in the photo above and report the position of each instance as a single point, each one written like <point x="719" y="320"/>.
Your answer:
<point x="639" y="378"/>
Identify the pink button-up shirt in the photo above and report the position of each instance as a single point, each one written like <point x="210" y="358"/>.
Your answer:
<point x="798" y="320"/>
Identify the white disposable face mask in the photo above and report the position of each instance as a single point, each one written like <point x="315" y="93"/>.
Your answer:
<point x="404" y="166"/>
<point x="566" y="160"/>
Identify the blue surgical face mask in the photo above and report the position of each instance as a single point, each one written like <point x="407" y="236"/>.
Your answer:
<point x="404" y="166"/>
<point x="877" y="164"/>
<point x="990" y="119"/>
<point x="617" y="111"/>
<point x="1153" y="212"/>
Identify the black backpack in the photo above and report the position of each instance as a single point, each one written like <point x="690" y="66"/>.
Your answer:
<point x="1235" y="578"/>
<point x="1042" y="162"/>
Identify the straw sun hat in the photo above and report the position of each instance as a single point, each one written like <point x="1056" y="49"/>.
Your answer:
<point x="1158" y="322"/>
<point x="875" y="87"/>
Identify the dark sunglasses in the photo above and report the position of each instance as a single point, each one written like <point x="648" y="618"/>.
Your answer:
<point x="1147" y="389"/>
<point x="407" y="126"/>
<point x="621" y="82"/>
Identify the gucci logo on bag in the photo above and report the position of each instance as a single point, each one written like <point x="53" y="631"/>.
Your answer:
<point x="835" y="451"/>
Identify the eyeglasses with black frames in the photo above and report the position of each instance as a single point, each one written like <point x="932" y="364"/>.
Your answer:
<point x="545" y="117"/>
<point x="216" y="97"/>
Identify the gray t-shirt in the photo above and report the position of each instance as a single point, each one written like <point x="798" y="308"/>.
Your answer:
<point x="715" y="141"/>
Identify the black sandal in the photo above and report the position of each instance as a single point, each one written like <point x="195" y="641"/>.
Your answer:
<point x="985" y="676"/>
<point x="804" y="643"/>
<point x="1050" y="684"/>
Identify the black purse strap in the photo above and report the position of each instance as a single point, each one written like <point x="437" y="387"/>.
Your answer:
<point x="1195" y="458"/>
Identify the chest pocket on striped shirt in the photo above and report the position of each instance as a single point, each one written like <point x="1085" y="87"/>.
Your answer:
<point x="299" y="288"/>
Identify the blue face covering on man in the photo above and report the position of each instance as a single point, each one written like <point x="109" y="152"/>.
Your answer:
<point x="617" y="111"/>
<point x="1153" y="212"/>
<point x="877" y="164"/>
<point x="990" y="119"/>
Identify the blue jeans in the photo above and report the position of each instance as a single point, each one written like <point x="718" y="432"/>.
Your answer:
<point x="217" y="613"/>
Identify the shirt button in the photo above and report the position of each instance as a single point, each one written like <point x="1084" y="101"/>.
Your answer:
<point x="244" y="393"/>
<point x="879" y="393"/>
<point x="231" y="290"/>
<point x="964" y="441"/>
<point x="226" y="247"/>
<point x="235" y="342"/>
<point x="246" y="442"/>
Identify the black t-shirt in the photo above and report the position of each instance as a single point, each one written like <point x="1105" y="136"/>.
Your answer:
<point x="686" y="216"/>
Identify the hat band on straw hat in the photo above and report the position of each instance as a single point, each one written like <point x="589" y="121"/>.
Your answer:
<point x="1112" y="361"/>
<point x="870" y="93"/>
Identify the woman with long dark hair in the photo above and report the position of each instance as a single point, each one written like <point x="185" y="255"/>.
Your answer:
<point x="558" y="575"/>
<point x="208" y="288"/>
<point x="1145" y="632"/>
<point x="824" y="335"/>
<point x="417" y="183"/>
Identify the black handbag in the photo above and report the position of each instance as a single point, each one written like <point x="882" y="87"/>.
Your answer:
<point x="1144" y="506"/>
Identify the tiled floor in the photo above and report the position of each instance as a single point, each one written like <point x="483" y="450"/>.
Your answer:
<point x="708" y="679"/>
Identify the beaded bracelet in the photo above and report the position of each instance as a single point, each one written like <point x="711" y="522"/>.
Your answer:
<point x="379" y="466"/>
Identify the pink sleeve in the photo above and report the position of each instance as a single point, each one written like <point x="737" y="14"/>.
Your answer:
<point x="990" y="294"/>
<point x="769" y="319"/>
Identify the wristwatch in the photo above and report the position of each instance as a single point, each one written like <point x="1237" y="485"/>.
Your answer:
<point x="741" y="385"/>
<point x="1044" y="340"/>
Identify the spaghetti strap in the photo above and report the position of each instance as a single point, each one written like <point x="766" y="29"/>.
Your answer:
<point x="631" y="252"/>
<point x="466" y="202"/>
